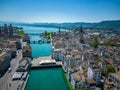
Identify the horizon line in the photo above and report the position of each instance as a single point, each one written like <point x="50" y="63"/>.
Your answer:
<point x="60" y="22"/>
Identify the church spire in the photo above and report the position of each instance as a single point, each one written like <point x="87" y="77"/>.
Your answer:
<point x="81" y="34"/>
<point x="81" y="29"/>
<point x="59" y="29"/>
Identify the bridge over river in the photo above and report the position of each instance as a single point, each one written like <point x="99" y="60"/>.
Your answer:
<point x="44" y="62"/>
<point x="33" y="33"/>
<point x="39" y="41"/>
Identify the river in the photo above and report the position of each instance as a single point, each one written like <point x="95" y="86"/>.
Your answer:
<point x="49" y="78"/>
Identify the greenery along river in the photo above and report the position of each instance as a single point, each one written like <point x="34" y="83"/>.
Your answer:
<point x="44" y="79"/>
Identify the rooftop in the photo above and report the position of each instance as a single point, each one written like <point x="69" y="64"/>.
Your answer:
<point x="26" y="48"/>
<point x="116" y="75"/>
<point x="78" y="76"/>
<point x="96" y="69"/>
<point x="90" y="81"/>
<point x="2" y="56"/>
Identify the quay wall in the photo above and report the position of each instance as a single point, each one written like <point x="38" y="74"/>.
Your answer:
<point x="39" y="67"/>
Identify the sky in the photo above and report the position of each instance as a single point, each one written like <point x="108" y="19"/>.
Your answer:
<point x="33" y="11"/>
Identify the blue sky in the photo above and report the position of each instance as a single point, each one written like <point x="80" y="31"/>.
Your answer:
<point x="59" y="10"/>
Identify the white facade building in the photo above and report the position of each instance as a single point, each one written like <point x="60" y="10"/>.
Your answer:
<point x="94" y="73"/>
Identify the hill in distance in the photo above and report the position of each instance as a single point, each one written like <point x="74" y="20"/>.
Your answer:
<point x="108" y="24"/>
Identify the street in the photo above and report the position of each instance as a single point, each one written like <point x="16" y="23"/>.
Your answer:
<point x="4" y="81"/>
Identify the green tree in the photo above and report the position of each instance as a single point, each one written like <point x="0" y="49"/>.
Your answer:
<point x="109" y="69"/>
<point x="108" y="43"/>
<point x="95" y="42"/>
<point x="48" y="36"/>
<point x="21" y="32"/>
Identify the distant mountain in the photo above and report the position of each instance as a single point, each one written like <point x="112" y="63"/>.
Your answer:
<point x="113" y="24"/>
<point x="63" y="25"/>
<point x="109" y="24"/>
<point x="77" y="24"/>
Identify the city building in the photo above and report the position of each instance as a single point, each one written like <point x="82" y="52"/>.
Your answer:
<point x="10" y="29"/>
<point x="27" y="51"/>
<point x="95" y="73"/>
<point x="78" y="80"/>
<point x="91" y="84"/>
<point x="24" y="65"/>
<point x="4" y="62"/>
<point x="26" y="38"/>
<point x="5" y="29"/>
<point x="57" y="54"/>
<point x="114" y="80"/>
<point x="18" y="44"/>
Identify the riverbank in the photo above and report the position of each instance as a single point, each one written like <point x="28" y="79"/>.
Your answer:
<point x="68" y="82"/>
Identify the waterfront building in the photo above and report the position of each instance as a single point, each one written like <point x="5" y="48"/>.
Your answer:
<point x="24" y="65"/>
<point x="57" y="51"/>
<point x="70" y="71"/>
<point x="78" y="80"/>
<point x="26" y="38"/>
<point x="27" y="51"/>
<point x="57" y="54"/>
<point x="4" y="61"/>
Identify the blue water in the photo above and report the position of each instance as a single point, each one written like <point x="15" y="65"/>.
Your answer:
<point x="39" y="49"/>
<point x="40" y="29"/>
<point x="47" y="79"/>
<point x="44" y="79"/>
<point x="34" y="37"/>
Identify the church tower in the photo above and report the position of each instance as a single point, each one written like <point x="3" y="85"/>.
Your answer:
<point x="81" y="34"/>
<point x="5" y="29"/>
<point x="90" y="72"/>
<point x="59" y="31"/>
<point x="10" y="30"/>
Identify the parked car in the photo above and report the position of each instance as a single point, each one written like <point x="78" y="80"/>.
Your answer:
<point x="9" y="70"/>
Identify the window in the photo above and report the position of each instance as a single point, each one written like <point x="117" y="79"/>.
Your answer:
<point x="95" y="77"/>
